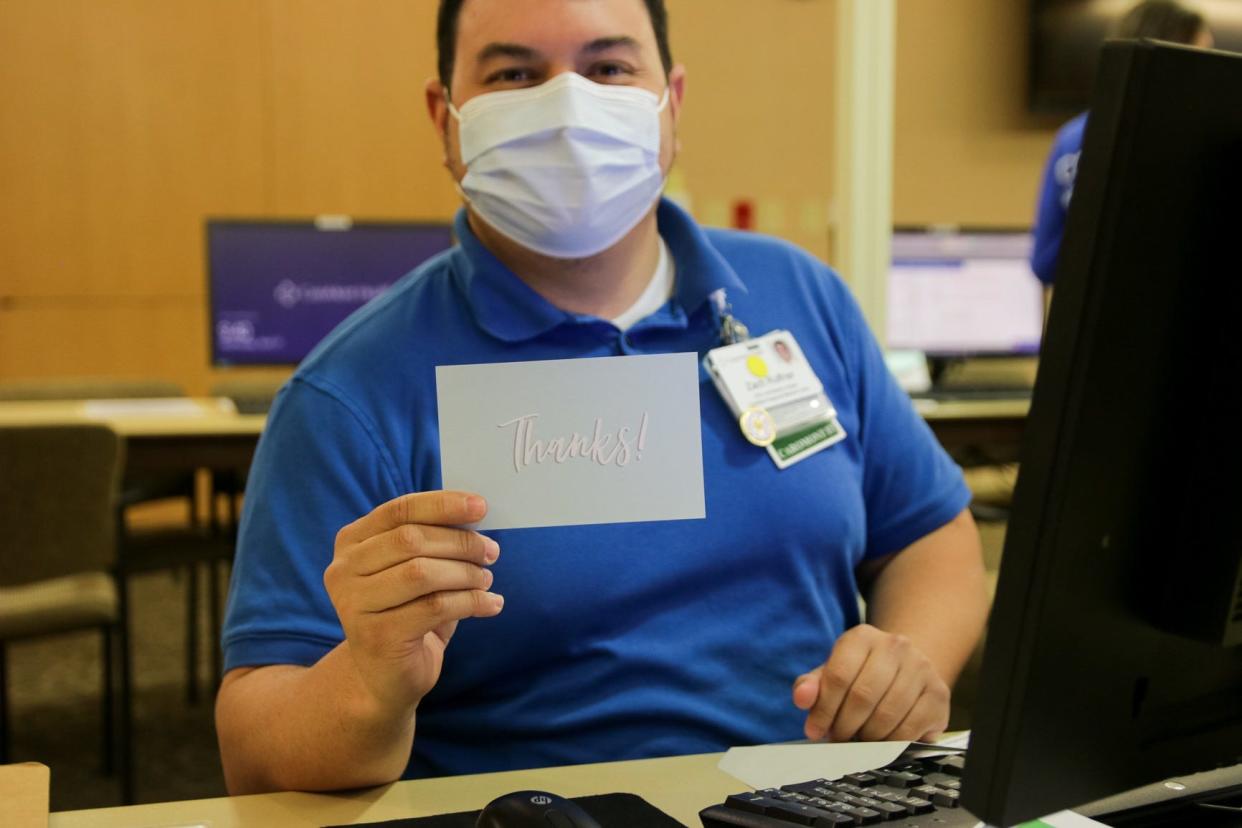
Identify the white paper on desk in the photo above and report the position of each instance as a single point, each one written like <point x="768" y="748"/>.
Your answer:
<point x="574" y="441"/>
<point x="1063" y="819"/>
<point x="770" y="766"/>
<point x="145" y="407"/>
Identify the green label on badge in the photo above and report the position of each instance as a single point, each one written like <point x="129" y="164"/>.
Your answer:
<point x="803" y="441"/>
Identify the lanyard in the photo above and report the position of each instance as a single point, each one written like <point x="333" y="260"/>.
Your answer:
<point x="732" y="329"/>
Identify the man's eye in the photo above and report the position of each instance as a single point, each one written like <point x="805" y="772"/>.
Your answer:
<point x="610" y="71"/>
<point x="511" y="75"/>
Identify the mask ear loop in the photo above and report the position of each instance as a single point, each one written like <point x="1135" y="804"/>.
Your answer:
<point x="448" y="99"/>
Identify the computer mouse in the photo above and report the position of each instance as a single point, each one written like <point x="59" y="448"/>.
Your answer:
<point x="534" y="809"/>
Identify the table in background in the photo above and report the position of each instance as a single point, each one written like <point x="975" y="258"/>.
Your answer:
<point x="987" y="430"/>
<point x="207" y="434"/>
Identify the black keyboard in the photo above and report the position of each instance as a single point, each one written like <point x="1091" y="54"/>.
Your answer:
<point x="905" y="794"/>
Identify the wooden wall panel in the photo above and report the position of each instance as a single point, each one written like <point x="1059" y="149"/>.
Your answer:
<point x="350" y="130"/>
<point x="42" y="145"/>
<point x="152" y="339"/>
<point x="966" y="150"/>
<point x="126" y="122"/>
<point x="757" y="124"/>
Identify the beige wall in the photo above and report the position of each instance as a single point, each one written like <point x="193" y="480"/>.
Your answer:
<point x="124" y="123"/>
<point x="966" y="151"/>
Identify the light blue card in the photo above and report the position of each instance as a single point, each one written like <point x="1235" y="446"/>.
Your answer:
<point x="574" y="441"/>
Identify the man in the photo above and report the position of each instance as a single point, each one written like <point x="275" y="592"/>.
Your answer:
<point x="558" y="119"/>
<point x="1155" y="19"/>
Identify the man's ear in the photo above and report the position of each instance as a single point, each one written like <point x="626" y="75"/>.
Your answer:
<point x="676" y="96"/>
<point x="437" y="108"/>
<point x="676" y="89"/>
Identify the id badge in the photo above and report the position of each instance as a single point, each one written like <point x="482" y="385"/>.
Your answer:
<point x="779" y="402"/>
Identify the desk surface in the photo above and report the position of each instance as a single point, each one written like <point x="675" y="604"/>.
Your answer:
<point x="138" y="418"/>
<point x="680" y="786"/>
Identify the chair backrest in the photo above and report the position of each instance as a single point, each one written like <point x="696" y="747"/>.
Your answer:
<point x="58" y="494"/>
<point x="87" y="388"/>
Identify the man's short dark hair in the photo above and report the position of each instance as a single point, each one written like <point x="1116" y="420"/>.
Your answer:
<point x="450" y="10"/>
<point x="1162" y="20"/>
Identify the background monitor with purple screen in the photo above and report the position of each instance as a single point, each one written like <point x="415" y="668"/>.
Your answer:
<point x="964" y="293"/>
<point x="276" y="288"/>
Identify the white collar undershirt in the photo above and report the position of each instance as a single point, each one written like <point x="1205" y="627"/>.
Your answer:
<point x="658" y="291"/>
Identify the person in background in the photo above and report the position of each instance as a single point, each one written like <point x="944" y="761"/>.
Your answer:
<point x="1155" y="19"/>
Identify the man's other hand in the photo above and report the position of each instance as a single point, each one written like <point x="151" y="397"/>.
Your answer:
<point x="400" y="579"/>
<point x="875" y="686"/>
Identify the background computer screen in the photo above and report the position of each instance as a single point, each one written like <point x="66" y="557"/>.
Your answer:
<point x="1114" y="651"/>
<point x="963" y="293"/>
<point x="277" y="288"/>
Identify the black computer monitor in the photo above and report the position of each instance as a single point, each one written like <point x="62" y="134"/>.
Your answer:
<point x="1113" y="656"/>
<point x="278" y="287"/>
<point x="962" y="292"/>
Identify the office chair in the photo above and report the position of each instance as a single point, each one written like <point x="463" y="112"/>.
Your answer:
<point x="59" y="487"/>
<point x="145" y="550"/>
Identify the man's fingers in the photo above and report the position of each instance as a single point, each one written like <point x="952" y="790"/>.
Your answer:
<point x="412" y="579"/>
<point x="806" y="689"/>
<point x="418" y="577"/>
<point x="438" y="508"/>
<point x="892" y="710"/>
<point x="870" y="686"/>
<point x="399" y="545"/>
<point x="835" y="679"/>
<point x="928" y="718"/>
<point x="434" y="611"/>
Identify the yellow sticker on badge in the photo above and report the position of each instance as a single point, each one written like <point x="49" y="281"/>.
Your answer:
<point x="756" y="365"/>
<point x="758" y="426"/>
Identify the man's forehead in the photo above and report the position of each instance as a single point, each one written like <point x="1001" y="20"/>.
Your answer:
<point x="552" y="23"/>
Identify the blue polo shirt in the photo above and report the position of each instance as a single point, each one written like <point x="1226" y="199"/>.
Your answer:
<point x="1055" y="194"/>
<point x="616" y="641"/>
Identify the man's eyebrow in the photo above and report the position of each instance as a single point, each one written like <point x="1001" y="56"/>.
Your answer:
<point x="603" y="44"/>
<point x="509" y="50"/>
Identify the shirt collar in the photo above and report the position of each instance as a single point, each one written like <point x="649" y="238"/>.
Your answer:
<point x="508" y="309"/>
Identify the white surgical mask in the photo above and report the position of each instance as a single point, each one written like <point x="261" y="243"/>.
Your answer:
<point x="566" y="168"/>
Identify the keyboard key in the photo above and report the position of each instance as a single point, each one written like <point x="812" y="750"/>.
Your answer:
<point x="805" y="787"/>
<point x="794" y="813"/>
<point x="916" y="805"/>
<point x="890" y="810"/>
<point x="947" y="799"/>
<point x="952" y="765"/>
<point x="862" y="780"/>
<point x="902" y="779"/>
<point x="864" y="816"/>
<point x="752" y="803"/>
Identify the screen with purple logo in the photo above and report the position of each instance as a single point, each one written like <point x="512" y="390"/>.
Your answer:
<point x="278" y="287"/>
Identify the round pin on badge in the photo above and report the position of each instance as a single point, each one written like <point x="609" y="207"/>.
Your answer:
<point x="758" y="426"/>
